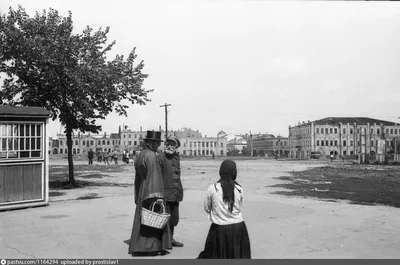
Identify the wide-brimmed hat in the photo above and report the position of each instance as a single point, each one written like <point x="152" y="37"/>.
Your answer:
<point x="174" y="139"/>
<point x="153" y="135"/>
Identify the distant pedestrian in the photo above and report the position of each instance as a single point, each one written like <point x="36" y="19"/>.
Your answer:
<point x="125" y="158"/>
<point x="228" y="237"/>
<point x="331" y="157"/>
<point x="105" y="157"/>
<point x="115" y="157"/>
<point x="90" y="156"/>
<point x="99" y="156"/>
<point x="131" y="157"/>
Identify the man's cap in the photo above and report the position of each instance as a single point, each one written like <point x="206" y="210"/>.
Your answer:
<point x="174" y="139"/>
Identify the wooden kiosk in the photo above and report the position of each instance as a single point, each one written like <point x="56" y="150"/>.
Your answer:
<point x="24" y="161"/>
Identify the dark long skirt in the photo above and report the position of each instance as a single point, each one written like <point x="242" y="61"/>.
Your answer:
<point x="147" y="240"/>
<point x="227" y="242"/>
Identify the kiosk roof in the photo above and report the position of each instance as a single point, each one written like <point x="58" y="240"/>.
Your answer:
<point x="19" y="111"/>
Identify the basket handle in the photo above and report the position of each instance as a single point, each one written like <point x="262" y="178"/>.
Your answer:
<point x="159" y="201"/>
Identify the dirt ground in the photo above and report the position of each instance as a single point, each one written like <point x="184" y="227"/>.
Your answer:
<point x="100" y="180"/>
<point x="95" y="220"/>
<point x="358" y="184"/>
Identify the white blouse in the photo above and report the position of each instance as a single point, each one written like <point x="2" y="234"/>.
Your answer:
<point x="218" y="210"/>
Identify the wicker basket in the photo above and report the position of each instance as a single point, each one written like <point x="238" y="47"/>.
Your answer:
<point x="153" y="219"/>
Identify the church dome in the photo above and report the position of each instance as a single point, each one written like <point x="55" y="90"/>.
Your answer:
<point x="221" y="134"/>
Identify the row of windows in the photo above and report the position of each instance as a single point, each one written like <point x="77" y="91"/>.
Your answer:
<point x="135" y="136"/>
<point x="335" y="143"/>
<point x="344" y="130"/>
<point x="330" y="143"/>
<point x="300" y="131"/>
<point x="77" y="150"/>
<point x="104" y="142"/>
<point x="185" y="152"/>
<point x="91" y="142"/>
<point x="304" y="143"/>
<point x="203" y="144"/>
<point x="184" y="144"/>
<point x="20" y="141"/>
<point x="335" y="130"/>
<point x="199" y="153"/>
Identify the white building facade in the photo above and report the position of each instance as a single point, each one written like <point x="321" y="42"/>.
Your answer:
<point x="342" y="136"/>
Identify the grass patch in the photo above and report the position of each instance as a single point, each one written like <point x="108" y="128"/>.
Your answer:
<point x="360" y="184"/>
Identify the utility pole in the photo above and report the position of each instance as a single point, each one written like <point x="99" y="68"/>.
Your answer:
<point x="166" y="119"/>
<point x="251" y="144"/>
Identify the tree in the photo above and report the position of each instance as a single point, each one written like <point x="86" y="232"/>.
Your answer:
<point x="48" y="65"/>
<point x="245" y="151"/>
<point x="261" y="153"/>
<point x="233" y="152"/>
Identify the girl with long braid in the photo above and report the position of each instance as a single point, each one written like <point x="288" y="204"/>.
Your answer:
<point x="228" y="237"/>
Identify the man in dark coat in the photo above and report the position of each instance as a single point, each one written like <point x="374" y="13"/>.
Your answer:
<point x="90" y="156"/>
<point x="149" y="188"/>
<point x="173" y="190"/>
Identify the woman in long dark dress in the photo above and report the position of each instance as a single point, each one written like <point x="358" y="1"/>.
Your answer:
<point x="149" y="187"/>
<point x="228" y="237"/>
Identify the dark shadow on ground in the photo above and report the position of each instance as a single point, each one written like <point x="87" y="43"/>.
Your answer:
<point x="366" y="185"/>
<point x="89" y="176"/>
<point x="89" y="196"/>
<point x="56" y="193"/>
<point x="55" y="169"/>
<point x="64" y="185"/>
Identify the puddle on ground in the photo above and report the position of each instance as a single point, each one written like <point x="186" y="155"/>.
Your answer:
<point x="54" y="216"/>
<point x="117" y="216"/>
<point x="322" y="182"/>
<point x="315" y="189"/>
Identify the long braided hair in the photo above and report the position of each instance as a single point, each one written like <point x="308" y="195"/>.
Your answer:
<point x="228" y="174"/>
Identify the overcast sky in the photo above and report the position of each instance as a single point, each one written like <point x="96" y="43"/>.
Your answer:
<point x="243" y="66"/>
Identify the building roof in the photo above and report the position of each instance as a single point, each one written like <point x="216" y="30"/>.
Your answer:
<point x="235" y="141"/>
<point x="15" y="111"/>
<point x="263" y="136"/>
<point x="222" y="134"/>
<point x="115" y="136"/>
<point x="351" y="120"/>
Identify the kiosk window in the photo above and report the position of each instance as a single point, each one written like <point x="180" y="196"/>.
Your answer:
<point x="21" y="141"/>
